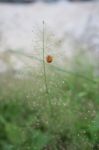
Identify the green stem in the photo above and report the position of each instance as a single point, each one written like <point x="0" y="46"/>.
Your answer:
<point x="44" y="67"/>
<point x="45" y="77"/>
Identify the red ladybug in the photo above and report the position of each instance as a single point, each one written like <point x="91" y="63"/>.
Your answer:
<point x="49" y="58"/>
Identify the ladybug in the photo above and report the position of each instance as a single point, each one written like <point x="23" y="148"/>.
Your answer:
<point x="49" y="58"/>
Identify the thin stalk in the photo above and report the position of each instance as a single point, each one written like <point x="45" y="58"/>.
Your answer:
<point x="44" y="66"/>
<point x="45" y="77"/>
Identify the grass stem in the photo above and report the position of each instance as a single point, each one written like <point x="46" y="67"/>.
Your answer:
<point x="44" y="65"/>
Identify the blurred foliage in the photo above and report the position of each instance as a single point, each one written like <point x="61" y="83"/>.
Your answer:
<point x="67" y="118"/>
